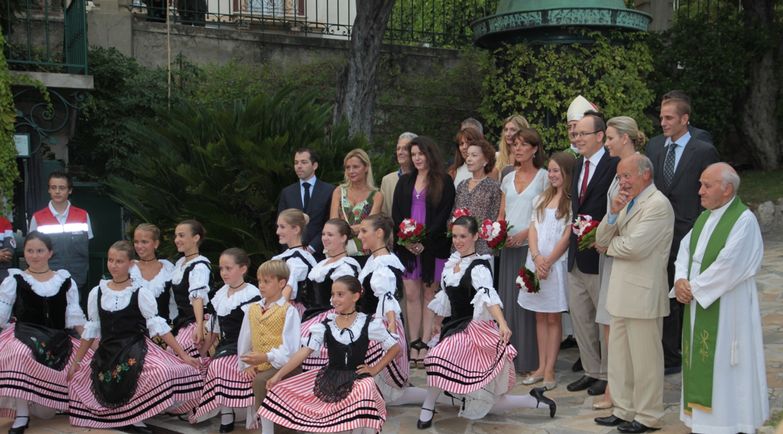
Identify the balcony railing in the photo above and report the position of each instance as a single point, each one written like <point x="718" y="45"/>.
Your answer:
<point x="438" y="23"/>
<point x="46" y="35"/>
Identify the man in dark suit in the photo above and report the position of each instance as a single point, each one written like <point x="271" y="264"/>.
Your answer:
<point x="311" y="195"/>
<point x="593" y="174"/>
<point x="679" y="158"/>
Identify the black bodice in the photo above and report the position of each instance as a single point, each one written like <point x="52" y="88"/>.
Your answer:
<point x="163" y="302"/>
<point x="30" y="307"/>
<point x="119" y="359"/>
<point x="369" y="302"/>
<point x="181" y="290"/>
<point x="230" y="325"/>
<point x="460" y="297"/>
<point x="335" y="380"/>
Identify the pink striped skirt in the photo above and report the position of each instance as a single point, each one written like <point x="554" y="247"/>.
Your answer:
<point x="395" y="376"/>
<point x="184" y="338"/>
<point x="22" y="377"/>
<point x="225" y="386"/>
<point x="292" y="404"/>
<point x="470" y="359"/>
<point x="165" y="383"/>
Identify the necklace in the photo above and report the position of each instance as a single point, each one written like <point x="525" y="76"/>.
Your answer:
<point x="30" y="270"/>
<point x="296" y="247"/>
<point x="337" y="255"/>
<point x="238" y="286"/>
<point x="348" y="314"/>
<point x="151" y="260"/>
<point x="378" y="250"/>
<point x="469" y="254"/>
<point x="191" y="255"/>
<point x="119" y="283"/>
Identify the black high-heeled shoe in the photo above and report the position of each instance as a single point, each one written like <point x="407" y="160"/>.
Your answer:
<point x="225" y="428"/>
<point x="20" y="429"/>
<point x="538" y="393"/>
<point x="420" y="424"/>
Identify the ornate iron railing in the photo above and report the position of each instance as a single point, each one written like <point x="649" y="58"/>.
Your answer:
<point x="46" y="35"/>
<point x="439" y="23"/>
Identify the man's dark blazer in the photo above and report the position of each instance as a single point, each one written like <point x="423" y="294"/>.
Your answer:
<point x="683" y="192"/>
<point x="317" y="209"/>
<point x="594" y="205"/>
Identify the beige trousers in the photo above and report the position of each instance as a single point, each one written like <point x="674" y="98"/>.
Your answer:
<point x="582" y="301"/>
<point x="636" y="369"/>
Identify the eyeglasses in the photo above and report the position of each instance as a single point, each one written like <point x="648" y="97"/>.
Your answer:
<point x="581" y="134"/>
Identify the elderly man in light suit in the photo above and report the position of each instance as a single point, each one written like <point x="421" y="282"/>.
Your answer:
<point x="637" y="233"/>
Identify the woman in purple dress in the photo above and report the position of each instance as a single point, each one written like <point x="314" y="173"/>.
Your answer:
<point x="426" y="194"/>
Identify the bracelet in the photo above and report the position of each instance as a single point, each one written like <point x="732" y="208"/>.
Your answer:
<point x="535" y="255"/>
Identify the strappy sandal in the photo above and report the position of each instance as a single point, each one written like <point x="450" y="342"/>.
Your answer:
<point x="419" y="345"/>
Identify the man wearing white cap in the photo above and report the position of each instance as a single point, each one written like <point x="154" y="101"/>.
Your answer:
<point x="576" y="111"/>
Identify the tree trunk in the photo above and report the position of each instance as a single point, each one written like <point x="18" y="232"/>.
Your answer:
<point x="758" y="122"/>
<point x="356" y="89"/>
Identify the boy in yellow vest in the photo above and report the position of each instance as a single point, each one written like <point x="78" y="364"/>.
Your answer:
<point x="270" y="329"/>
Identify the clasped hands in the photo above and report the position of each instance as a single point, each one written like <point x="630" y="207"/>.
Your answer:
<point x="543" y="265"/>
<point x="682" y="291"/>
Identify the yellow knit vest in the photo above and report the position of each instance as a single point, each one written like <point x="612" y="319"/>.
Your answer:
<point x="266" y="329"/>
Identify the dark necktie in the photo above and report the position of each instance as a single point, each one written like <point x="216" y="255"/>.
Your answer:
<point x="306" y="201"/>
<point x="583" y="188"/>
<point x="668" y="164"/>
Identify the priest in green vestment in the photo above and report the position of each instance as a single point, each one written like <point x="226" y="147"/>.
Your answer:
<point x="724" y="387"/>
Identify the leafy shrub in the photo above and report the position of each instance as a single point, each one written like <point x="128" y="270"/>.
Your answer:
<point x="225" y="164"/>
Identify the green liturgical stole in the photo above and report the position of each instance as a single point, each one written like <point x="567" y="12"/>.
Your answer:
<point x="698" y="349"/>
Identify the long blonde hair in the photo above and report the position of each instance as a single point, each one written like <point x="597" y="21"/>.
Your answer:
<point x="566" y="162"/>
<point x="504" y="148"/>
<point x="365" y="159"/>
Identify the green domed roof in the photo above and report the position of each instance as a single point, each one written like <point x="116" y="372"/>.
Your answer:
<point x="548" y="21"/>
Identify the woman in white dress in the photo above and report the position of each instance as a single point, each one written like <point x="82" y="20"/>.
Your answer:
<point x="519" y="188"/>
<point x="548" y="237"/>
<point x="623" y="138"/>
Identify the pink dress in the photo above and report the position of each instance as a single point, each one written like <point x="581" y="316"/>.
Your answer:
<point x="419" y="213"/>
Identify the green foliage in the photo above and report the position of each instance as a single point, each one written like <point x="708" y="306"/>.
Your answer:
<point x="706" y="54"/>
<point x="540" y="82"/>
<point x="426" y="98"/>
<point x="9" y="173"/>
<point x="124" y="91"/>
<point x="225" y="163"/>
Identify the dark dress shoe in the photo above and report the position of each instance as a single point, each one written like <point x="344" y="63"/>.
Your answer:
<point x="227" y="427"/>
<point x="581" y="384"/>
<point x="610" y="420"/>
<point x="20" y="429"/>
<point x="671" y="370"/>
<point x="597" y="388"/>
<point x="136" y="429"/>
<point x="538" y="393"/>
<point x="568" y="342"/>
<point x="634" y="427"/>
<point x="577" y="366"/>
<point x="420" y="424"/>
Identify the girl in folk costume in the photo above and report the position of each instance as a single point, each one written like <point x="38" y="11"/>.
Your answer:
<point x="129" y="378"/>
<point x="226" y="387"/>
<point x="152" y="272"/>
<point x="269" y="334"/>
<point x="291" y="224"/>
<point x="472" y="359"/>
<point x="335" y="236"/>
<point x="190" y="286"/>
<point x="548" y="238"/>
<point x="341" y="396"/>
<point x="36" y="348"/>
<point x="381" y="280"/>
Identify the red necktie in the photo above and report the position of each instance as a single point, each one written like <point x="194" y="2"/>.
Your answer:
<point x="583" y="189"/>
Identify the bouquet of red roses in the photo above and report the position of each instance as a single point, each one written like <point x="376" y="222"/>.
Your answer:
<point x="527" y="281"/>
<point x="584" y="228"/>
<point x="459" y="212"/>
<point x="410" y="232"/>
<point x="494" y="233"/>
